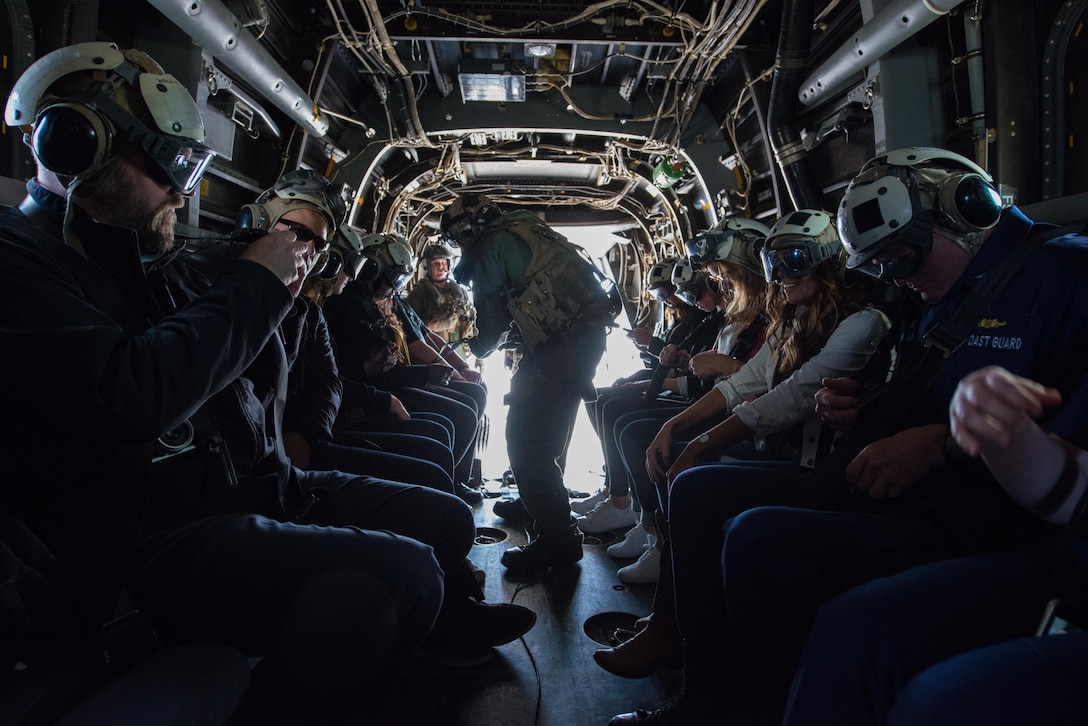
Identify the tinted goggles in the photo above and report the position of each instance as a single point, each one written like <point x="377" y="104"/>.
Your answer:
<point x="690" y="292"/>
<point x="796" y="258"/>
<point x="397" y="276"/>
<point x="180" y="162"/>
<point x="703" y="248"/>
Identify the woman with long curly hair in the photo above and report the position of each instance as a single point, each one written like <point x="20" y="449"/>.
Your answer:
<point x="722" y="274"/>
<point x="764" y="414"/>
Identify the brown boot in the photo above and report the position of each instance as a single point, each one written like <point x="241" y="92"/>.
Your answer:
<point x="647" y="652"/>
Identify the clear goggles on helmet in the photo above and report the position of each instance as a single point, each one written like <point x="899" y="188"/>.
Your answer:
<point x="662" y="291"/>
<point x="794" y="257"/>
<point x="180" y="162"/>
<point x="177" y="161"/>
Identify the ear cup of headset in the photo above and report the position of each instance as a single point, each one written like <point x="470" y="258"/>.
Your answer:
<point x="70" y="139"/>
<point x="251" y="216"/>
<point x="970" y="200"/>
<point x="327" y="267"/>
<point x="370" y="270"/>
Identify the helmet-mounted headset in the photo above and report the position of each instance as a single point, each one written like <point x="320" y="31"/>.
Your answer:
<point x="300" y="188"/>
<point x="346" y="251"/>
<point x="389" y="259"/>
<point x="799" y="243"/>
<point x="75" y="134"/>
<point x="690" y="283"/>
<point x="659" y="278"/>
<point x="735" y="239"/>
<point x="466" y="216"/>
<point x="897" y="200"/>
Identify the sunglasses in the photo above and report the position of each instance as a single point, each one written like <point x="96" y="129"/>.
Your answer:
<point x="305" y="234"/>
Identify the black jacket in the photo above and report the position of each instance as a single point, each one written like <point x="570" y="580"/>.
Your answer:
<point x="101" y="358"/>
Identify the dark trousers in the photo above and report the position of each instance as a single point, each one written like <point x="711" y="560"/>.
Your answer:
<point x="945" y="643"/>
<point x="545" y="394"/>
<point x="634" y="432"/>
<point x="339" y="603"/>
<point x="398" y="457"/>
<point x="614" y="405"/>
<point x="747" y="585"/>
<point x="422" y="423"/>
<point x="461" y="412"/>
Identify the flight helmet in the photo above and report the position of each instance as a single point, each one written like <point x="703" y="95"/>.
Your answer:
<point x="890" y="210"/>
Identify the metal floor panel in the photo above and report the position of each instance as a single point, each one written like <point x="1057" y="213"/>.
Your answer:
<point x="549" y="678"/>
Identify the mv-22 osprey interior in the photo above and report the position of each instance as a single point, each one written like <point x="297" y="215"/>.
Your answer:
<point x="630" y="126"/>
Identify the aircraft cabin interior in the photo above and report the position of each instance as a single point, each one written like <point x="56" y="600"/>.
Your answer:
<point x="629" y="127"/>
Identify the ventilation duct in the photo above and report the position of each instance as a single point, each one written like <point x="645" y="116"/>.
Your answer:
<point x="885" y="30"/>
<point x="214" y="26"/>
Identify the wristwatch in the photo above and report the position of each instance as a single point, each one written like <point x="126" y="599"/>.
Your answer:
<point x="704" y="439"/>
<point x="951" y="450"/>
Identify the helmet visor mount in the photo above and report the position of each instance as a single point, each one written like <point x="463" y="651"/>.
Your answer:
<point x="703" y="248"/>
<point x="176" y="161"/>
<point x="892" y="217"/>
<point x="899" y="262"/>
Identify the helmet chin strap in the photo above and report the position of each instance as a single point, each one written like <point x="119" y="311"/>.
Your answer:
<point x="71" y="237"/>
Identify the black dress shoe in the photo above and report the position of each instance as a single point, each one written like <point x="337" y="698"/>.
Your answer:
<point x="512" y="510"/>
<point x="496" y="623"/>
<point x="468" y="494"/>
<point x="544" y="552"/>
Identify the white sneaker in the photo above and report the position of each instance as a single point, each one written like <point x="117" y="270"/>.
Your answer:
<point x="645" y="570"/>
<point x="605" y="517"/>
<point x="632" y="545"/>
<point x="584" y="506"/>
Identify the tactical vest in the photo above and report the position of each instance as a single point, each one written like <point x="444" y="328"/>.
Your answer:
<point x="560" y="286"/>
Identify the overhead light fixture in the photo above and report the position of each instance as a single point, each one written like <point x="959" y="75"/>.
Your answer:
<point x="490" y="81"/>
<point x="537" y="49"/>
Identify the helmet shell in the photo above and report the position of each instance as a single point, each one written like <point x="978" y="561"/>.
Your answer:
<point x="304" y="188"/>
<point x="438" y="251"/>
<point x="659" y="277"/>
<point x="389" y="258"/>
<point x="799" y="243"/>
<point x="734" y="239"/>
<point x="903" y="194"/>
